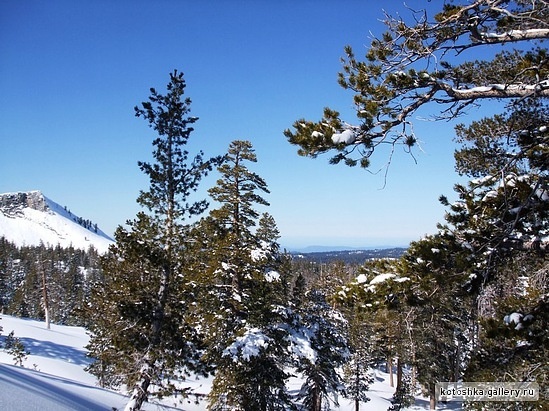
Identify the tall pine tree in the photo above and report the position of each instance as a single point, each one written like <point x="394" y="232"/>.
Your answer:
<point x="244" y="301"/>
<point x="144" y="334"/>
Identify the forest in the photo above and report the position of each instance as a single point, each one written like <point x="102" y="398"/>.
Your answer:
<point x="187" y="289"/>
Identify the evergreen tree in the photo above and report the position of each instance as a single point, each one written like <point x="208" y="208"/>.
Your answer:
<point x="501" y="221"/>
<point x="243" y="304"/>
<point x="411" y="67"/>
<point x="8" y="262"/>
<point x="460" y="277"/>
<point x="144" y="317"/>
<point x="439" y="321"/>
<point x="267" y="230"/>
<point x="66" y="272"/>
<point x="375" y="304"/>
<point x="325" y="333"/>
<point x="15" y="347"/>
<point x="358" y="371"/>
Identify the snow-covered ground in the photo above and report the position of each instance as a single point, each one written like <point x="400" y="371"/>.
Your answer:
<point x="53" y="376"/>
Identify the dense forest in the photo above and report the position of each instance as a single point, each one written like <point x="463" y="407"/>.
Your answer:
<point x="188" y="289"/>
<point x="35" y="277"/>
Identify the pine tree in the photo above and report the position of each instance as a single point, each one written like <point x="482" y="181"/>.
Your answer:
<point x="358" y="371"/>
<point x="243" y="305"/>
<point x="375" y="305"/>
<point x="501" y="221"/>
<point x="439" y="322"/>
<point x="15" y="347"/>
<point x="145" y="321"/>
<point x="413" y="66"/>
<point x="324" y="330"/>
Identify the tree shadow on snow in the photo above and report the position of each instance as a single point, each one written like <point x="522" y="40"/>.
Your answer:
<point x="53" y="392"/>
<point x="49" y="349"/>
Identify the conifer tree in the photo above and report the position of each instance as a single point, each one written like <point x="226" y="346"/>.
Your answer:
<point x="145" y="321"/>
<point x="500" y="219"/>
<point x="374" y="303"/>
<point x="501" y="222"/>
<point x="412" y="67"/>
<point x="358" y="371"/>
<point x="325" y="332"/>
<point x="440" y="322"/>
<point x="243" y="304"/>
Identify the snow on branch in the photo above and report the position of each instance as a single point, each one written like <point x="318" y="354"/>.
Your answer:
<point x="248" y="345"/>
<point x="513" y="35"/>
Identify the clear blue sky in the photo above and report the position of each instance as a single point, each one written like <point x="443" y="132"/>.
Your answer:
<point x="72" y="71"/>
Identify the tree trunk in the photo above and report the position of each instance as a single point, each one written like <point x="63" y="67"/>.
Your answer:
<point x="390" y="371"/>
<point x="139" y="394"/>
<point x="357" y="388"/>
<point x="317" y="400"/>
<point x="399" y="374"/>
<point x="432" y="396"/>
<point x="45" y="297"/>
<point x="140" y="391"/>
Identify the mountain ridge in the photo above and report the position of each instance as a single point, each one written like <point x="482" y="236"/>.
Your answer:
<point x="30" y="218"/>
<point x="353" y="256"/>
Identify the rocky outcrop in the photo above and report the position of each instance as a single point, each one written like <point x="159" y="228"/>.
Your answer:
<point x="12" y="204"/>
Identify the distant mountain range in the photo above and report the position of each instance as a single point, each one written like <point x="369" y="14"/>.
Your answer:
<point x="353" y="256"/>
<point x="29" y="218"/>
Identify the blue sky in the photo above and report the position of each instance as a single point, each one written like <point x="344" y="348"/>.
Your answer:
<point x="72" y="71"/>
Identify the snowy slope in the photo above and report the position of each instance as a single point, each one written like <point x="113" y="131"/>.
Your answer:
<point x="30" y="218"/>
<point x="53" y="377"/>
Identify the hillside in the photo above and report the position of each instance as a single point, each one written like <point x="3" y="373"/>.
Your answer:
<point x="53" y="377"/>
<point x="28" y="218"/>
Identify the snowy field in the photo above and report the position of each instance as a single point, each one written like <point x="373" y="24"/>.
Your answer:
<point x="53" y="376"/>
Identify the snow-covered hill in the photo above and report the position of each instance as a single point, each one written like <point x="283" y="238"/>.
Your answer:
<point x="28" y="218"/>
<point x="53" y="377"/>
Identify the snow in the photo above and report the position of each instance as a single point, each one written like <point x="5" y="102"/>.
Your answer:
<point x="381" y="278"/>
<point x="517" y="320"/>
<point x="542" y="194"/>
<point x="301" y="344"/>
<point x="261" y="252"/>
<point x="52" y="226"/>
<point x="272" y="276"/>
<point x="247" y="346"/>
<point x="514" y="318"/>
<point x="345" y="137"/>
<point x="54" y="379"/>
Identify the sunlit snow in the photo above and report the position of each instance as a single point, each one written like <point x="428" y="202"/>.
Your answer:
<point x="52" y="226"/>
<point x="54" y="379"/>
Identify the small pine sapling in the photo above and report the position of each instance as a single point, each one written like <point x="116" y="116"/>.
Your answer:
<point x="16" y="348"/>
<point x="403" y="397"/>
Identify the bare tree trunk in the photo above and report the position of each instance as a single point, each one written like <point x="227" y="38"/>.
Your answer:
<point x="390" y="371"/>
<point x="409" y="320"/>
<point x="316" y="403"/>
<point x="399" y="374"/>
<point x="45" y="296"/>
<point x="432" y="396"/>
<point x="357" y="377"/>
